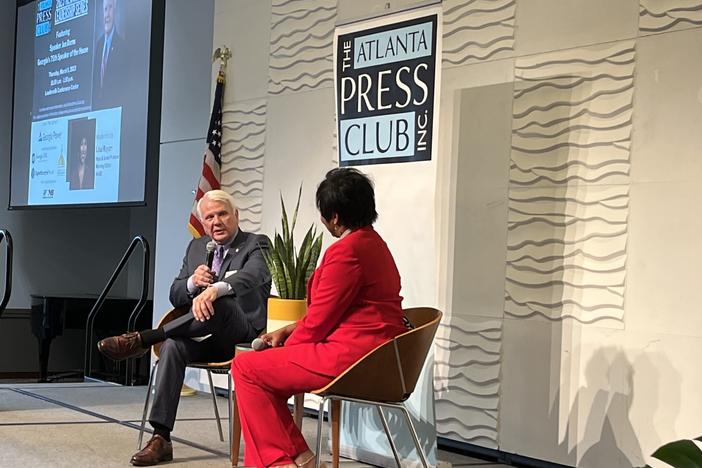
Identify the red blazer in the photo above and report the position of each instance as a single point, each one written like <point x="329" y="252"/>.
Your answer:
<point x="353" y="305"/>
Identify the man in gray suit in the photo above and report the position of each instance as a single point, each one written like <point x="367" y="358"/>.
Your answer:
<point x="227" y="306"/>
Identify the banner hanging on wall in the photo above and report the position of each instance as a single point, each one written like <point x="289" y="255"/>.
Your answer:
<point x="385" y="82"/>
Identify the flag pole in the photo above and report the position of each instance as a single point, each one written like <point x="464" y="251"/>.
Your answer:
<point x="212" y="162"/>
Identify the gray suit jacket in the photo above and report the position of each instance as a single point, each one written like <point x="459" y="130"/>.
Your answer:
<point x="247" y="273"/>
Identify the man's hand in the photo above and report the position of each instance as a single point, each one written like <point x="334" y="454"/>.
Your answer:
<point x="278" y="337"/>
<point x="202" y="276"/>
<point x="202" y="304"/>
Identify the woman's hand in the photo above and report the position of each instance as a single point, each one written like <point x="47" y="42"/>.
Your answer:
<point x="278" y="337"/>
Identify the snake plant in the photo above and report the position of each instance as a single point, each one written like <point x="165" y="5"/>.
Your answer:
<point x="291" y="268"/>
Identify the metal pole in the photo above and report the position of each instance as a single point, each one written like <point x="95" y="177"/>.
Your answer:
<point x="4" y="234"/>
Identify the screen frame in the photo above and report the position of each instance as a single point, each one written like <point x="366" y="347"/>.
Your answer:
<point x="153" y="118"/>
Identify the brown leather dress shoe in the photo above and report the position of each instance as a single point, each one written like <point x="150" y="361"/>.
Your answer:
<point x="122" y="347"/>
<point x="157" y="450"/>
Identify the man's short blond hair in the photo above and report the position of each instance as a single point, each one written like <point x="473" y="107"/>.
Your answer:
<point x="216" y="196"/>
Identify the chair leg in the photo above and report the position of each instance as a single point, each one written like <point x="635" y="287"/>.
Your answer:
<point x="236" y="431"/>
<point x="335" y="425"/>
<point x="146" y="404"/>
<point x="229" y="411"/>
<point x="414" y="436"/>
<point x="387" y="432"/>
<point x="214" y="403"/>
<point x="299" y="409"/>
<point x="320" y="421"/>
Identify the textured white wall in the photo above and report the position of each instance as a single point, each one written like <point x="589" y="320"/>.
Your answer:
<point x="595" y="316"/>
<point x="569" y="125"/>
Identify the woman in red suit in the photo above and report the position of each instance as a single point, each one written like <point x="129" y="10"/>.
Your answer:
<point x="353" y="306"/>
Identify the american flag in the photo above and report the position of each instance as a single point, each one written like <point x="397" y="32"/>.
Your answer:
<point x="212" y="161"/>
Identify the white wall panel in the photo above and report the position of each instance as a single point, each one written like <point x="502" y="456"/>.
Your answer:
<point x="569" y="174"/>
<point x="658" y="16"/>
<point x="477" y="30"/>
<point x="548" y="25"/>
<point x="243" y="152"/>
<point x="302" y="32"/>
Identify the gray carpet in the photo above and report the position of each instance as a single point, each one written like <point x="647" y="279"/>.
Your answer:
<point x="92" y="424"/>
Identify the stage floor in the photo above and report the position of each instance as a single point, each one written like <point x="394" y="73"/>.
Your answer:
<point x="95" y="424"/>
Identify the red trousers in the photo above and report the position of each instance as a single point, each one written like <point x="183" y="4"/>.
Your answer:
<point x="263" y="382"/>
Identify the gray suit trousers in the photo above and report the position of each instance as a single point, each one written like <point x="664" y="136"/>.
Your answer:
<point x="228" y="327"/>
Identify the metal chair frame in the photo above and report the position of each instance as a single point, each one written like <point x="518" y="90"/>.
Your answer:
<point x="378" y="405"/>
<point x="217" y="368"/>
<point x="211" y="367"/>
<point x="384" y="377"/>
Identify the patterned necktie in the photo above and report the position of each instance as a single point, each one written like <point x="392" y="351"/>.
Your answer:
<point x="218" y="258"/>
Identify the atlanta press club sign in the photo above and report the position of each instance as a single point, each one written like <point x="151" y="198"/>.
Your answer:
<point x="385" y="77"/>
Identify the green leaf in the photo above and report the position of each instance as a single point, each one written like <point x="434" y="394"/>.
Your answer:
<point x="282" y="283"/>
<point x="297" y="206"/>
<point x="278" y="275"/>
<point x="314" y="256"/>
<point x="286" y="232"/>
<point x="288" y="255"/>
<point x="680" y="454"/>
<point x="292" y="229"/>
<point x="303" y="262"/>
<point x="287" y="266"/>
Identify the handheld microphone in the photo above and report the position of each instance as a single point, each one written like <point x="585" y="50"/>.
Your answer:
<point x="211" y="246"/>
<point x="259" y="345"/>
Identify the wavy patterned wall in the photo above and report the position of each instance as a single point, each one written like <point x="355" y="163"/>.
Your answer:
<point x="657" y="16"/>
<point x="243" y="151"/>
<point x="467" y="379"/>
<point x="302" y="35"/>
<point x="477" y="30"/>
<point x="468" y="365"/>
<point x="569" y="176"/>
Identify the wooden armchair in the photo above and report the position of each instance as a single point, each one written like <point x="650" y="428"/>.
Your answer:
<point x="385" y="377"/>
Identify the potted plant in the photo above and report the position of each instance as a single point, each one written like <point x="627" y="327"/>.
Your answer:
<point x="290" y="269"/>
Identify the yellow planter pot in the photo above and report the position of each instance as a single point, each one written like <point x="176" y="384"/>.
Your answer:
<point x="282" y="312"/>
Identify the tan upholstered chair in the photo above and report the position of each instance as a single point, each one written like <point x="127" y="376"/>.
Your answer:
<point x="385" y="377"/>
<point x="210" y="367"/>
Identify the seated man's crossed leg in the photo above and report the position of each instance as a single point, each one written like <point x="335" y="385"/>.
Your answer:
<point x="225" y="283"/>
<point x="181" y="345"/>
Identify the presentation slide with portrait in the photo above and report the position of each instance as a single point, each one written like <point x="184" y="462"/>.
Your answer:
<point x="87" y="167"/>
<point x="81" y="102"/>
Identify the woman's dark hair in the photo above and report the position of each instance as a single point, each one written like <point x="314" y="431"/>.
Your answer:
<point x="349" y="194"/>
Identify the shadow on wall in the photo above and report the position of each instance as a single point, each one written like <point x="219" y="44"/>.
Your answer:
<point x="608" y="437"/>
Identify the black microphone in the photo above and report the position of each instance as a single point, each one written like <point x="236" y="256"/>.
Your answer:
<point x="259" y="345"/>
<point x="211" y="246"/>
